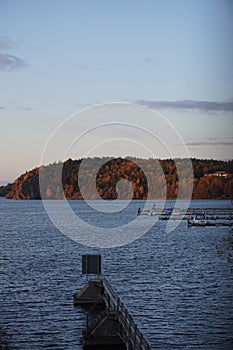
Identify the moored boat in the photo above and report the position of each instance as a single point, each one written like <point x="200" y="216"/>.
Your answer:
<point x="198" y="220"/>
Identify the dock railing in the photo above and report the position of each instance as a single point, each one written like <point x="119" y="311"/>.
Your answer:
<point x="129" y="331"/>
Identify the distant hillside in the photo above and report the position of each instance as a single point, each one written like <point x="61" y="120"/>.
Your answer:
<point x="24" y="187"/>
<point x="212" y="180"/>
<point x="4" y="190"/>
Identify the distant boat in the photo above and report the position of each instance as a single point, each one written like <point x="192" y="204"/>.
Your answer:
<point x="198" y="220"/>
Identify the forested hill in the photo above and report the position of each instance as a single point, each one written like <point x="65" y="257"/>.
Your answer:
<point x="153" y="179"/>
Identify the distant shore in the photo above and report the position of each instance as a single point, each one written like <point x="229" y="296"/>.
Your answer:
<point x="159" y="179"/>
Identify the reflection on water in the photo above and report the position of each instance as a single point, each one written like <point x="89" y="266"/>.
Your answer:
<point x="4" y="340"/>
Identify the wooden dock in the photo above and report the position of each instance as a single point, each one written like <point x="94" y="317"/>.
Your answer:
<point x="109" y="323"/>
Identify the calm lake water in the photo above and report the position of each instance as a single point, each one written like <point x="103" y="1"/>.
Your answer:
<point x="176" y="286"/>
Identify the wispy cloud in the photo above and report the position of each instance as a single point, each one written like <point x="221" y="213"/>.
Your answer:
<point x="84" y="67"/>
<point x="150" y="60"/>
<point x="206" y="143"/>
<point x="217" y="138"/>
<point x="11" y="62"/>
<point x="7" y="43"/>
<point x="207" y="106"/>
<point x="26" y="108"/>
<point x="2" y="107"/>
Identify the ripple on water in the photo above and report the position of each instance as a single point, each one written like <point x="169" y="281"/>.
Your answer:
<point x="178" y="289"/>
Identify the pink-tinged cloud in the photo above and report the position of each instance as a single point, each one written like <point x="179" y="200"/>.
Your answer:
<point x="11" y="62"/>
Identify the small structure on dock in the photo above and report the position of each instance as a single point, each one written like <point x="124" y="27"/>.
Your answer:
<point x="109" y="323"/>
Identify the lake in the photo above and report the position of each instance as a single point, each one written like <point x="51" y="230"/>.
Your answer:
<point x="177" y="285"/>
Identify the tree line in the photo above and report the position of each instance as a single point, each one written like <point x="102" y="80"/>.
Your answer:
<point x="124" y="178"/>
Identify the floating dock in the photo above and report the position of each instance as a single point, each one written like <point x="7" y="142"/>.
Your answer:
<point x="109" y="324"/>
<point x="215" y="216"/>
<point x="211" y="224"/>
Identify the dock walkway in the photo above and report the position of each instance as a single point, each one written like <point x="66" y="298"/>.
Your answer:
<point x="113" y="325"/>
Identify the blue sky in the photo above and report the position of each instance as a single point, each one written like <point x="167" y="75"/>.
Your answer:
<point x="57" y="57"/>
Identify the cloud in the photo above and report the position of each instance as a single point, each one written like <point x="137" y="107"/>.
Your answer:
<point x="207" y="106"/>
<point x="206" y="143"/>
<point x="8" y="61"/>
<point x="84" y="67"/>
<point x="2" y="107"/>
<point x="7" y="43"/>
<point x="217" y="138"/>
<point x="11" y="62"/>
<point x="26" y="108"/>
<point x="150" y="60"/>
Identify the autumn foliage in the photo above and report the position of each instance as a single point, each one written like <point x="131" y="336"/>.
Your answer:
<point x="125" y="179"/>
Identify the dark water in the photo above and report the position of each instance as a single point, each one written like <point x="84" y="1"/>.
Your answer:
<point x="179" y="290"/>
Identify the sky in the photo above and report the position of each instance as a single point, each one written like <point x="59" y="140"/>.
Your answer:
<point x="58" y="57"/>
